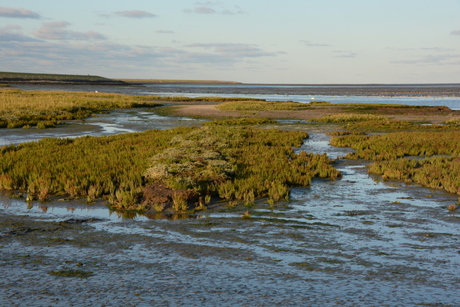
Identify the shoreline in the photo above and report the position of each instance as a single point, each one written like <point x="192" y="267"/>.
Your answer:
<point x="227" y="87"/>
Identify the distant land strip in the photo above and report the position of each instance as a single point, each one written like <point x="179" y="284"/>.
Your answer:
<point x="16" y="77"/>
<point x="165" y="81"/>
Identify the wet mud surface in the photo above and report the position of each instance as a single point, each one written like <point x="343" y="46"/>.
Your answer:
<point x="350" y="242"/>
<point x="409" y="90"/>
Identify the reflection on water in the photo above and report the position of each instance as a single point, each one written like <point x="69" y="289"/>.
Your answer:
<point x="115" y="122"/>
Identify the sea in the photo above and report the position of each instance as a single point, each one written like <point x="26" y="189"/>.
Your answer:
<point x="408" y="94"/>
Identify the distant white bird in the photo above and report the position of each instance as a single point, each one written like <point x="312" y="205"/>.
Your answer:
<point x="312" y="98"/>
<point x="96" y="91"/>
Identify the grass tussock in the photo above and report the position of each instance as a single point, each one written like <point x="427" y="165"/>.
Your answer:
<point x="262" y="105"/>
<point x="43" y="109"/>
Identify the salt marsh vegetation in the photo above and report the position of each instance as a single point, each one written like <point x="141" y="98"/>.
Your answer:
<point x="43" y="109"/>
<point x="231" y="162"/>
<point x="394" y="156"/>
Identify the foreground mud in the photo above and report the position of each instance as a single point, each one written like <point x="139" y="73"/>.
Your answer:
<point x="351" y="242"/>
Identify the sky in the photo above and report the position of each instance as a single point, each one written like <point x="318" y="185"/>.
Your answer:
<point x="249" y="41"/>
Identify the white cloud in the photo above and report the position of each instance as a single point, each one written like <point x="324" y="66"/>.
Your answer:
<point x="310" y="44"/>
<point x="56" y="30"/>
<point x="135" y="14"/>
<point x="234" y="50"/>
<point x="12" y="33"/>
<point x="213" y="7"/>
<point x="345" y="54"/>
<point x="10" y="12"/>
<point x="164" y="32"/>
<point x="446" y="59"/>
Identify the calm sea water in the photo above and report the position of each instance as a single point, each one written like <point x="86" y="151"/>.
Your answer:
<point x="416" y="94"/>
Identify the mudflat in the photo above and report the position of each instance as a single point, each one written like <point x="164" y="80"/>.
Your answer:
<point x="434" y="115"/>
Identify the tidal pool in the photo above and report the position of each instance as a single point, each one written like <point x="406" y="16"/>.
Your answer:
<point x="356" y="241"/>
<point x="114" y="122"/>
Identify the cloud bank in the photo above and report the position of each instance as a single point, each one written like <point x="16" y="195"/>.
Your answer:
<point x="135" y="14"/>
<point x="213" y="7"/>
<point x="10" y="12"/>
<point x="56" y="30"/>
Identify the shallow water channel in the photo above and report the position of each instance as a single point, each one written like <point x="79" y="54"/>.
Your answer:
<point x="355" y="241"/>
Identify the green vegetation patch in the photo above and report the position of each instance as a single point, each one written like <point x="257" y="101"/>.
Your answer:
<point x="399" y="144"/>
<point x="240" y="121"/>
<point x="90" y="167"/>
<point x="262" y="105"/>
<point x="239" y="163"/>
<point x="345" y="118"/>
<point x="437" y="172"/>
<point x="47" y="108"/>
<point x="230" y="162"/>
<point x="453" y="122"/>
<point x="380" y="125"/>
<point x="441" y="150"/>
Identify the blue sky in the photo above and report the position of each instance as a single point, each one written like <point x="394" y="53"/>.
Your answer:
<point x="251" y="41"/>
